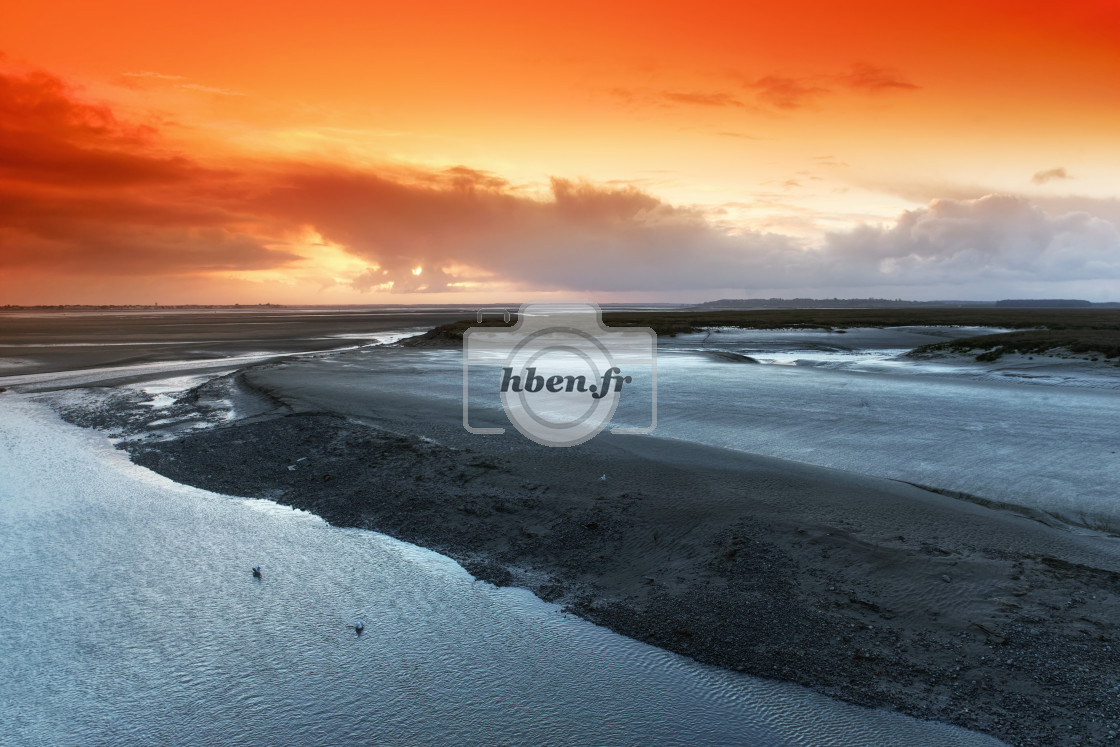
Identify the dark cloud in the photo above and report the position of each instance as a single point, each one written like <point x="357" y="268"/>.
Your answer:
<point x="48" y="136"/>
<point x="120" y="251"/>
<point x="81" y="191"/>
<point x="579" y="237"/>
<point x="1041" y="177"/>
<point x="463" y="177"/>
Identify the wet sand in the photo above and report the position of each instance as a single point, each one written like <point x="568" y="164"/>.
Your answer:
<point x="869" y="590"/>
<point x="35" y="342"/>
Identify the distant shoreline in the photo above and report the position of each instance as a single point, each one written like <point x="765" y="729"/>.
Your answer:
<point x="725" y="304"/>
<point x="1039" y="331"/>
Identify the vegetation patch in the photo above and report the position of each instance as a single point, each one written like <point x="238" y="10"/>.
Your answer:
<point x="1103" y="343"/>
<point x="669" y="323"/>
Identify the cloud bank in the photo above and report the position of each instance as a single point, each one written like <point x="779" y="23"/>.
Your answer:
<point x="996" y="239"/>
<point x="85" y="194"/>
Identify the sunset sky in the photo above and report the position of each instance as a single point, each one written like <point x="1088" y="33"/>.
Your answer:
<point x="330" y="152"/>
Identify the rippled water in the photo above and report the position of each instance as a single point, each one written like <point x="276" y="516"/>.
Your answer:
<point x="128" y="615"/>
<point x="954" y="427"/>
<point x="1053" y="448"/>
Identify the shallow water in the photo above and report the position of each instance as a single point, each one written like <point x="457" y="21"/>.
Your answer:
<point x="953" y="427"/>
<point x="1052" y="448"/>
<point x="129" y="615"/>
<point x="855" y="349"/>
<point x="875" y="350"/>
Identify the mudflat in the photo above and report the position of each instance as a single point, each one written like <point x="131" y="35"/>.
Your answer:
<point x="35" y="342"/>
<point x="869" y="590"/>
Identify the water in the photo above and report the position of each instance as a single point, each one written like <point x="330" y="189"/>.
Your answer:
<point x="852" y="349"/>
<point x="1052" y="448"/>
<point x="874" y="350"/>
<point x="960" y="427"/>
<point x="128" y="615"/>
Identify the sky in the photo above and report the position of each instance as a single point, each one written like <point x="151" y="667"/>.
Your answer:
<point x="342" y="153"/>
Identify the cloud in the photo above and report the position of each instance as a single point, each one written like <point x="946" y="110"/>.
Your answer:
<point x="786" y="92"/>
<point x="1105" y="208"/>
<point x="776" y="90"/>
<point x="89" y="195"/>
<point x="1041" y="177"/>
<point x="48" y="136"/>
<point x="996" y="239"/>
<point x="701" y="99"/>
<point x="794" y="92"/>
<point x="586" y="238"/>
<point x="81" y="191"/>
<point x="873" y="79"/>
<point x="462" y="177"/>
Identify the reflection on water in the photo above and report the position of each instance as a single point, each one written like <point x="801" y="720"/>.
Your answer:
<point x="856" y="349"/>
<point x="1048" y="447"/>
<point x="130" y="615"/>
<point x="1052" y="448"/>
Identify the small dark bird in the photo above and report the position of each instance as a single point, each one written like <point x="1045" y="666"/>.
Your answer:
<point x="359" y="627"/>
<point x="256" y="571"/>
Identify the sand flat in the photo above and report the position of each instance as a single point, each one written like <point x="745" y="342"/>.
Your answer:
<point x="870" y="590"/>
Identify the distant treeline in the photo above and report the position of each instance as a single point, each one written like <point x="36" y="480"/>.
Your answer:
<point x="897" y="303"/>
<point x="674" y="322"/>
<point x="1050" y="303"/>
<point x="832" y="303"/>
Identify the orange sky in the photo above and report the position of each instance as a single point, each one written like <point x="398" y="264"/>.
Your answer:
<point x="360" y="153"/>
